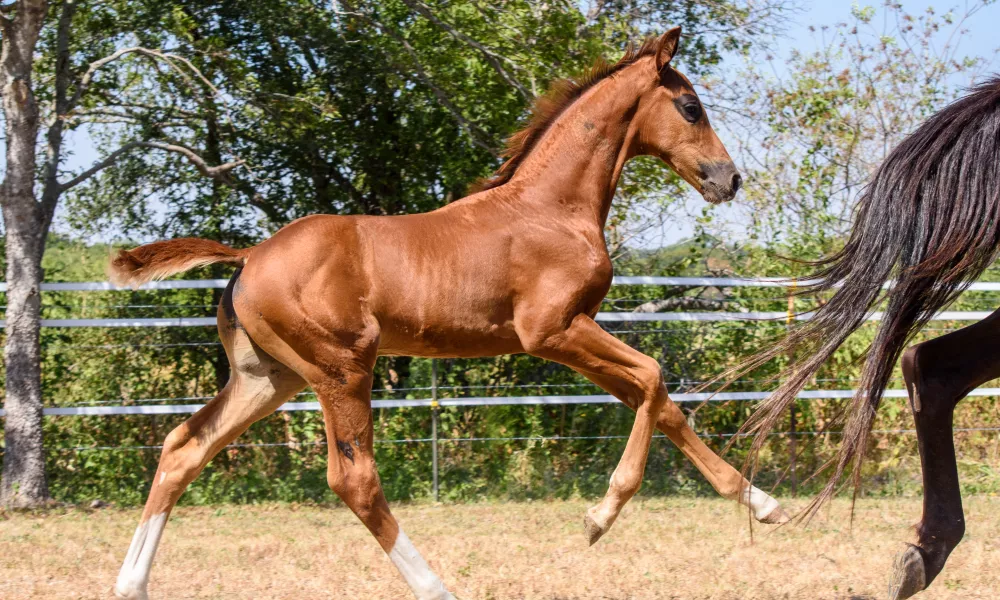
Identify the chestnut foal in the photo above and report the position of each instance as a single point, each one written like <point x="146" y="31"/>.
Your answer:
<point x="520" y="266"/>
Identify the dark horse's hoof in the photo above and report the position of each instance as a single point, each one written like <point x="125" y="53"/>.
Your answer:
<point x="908" y="576"/>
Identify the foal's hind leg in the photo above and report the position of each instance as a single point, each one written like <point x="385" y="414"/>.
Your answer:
<point x="258" y="385"/>
<point x="939" y="373"/>
<point x="345" y="395"/>
<point x="726" y="480"/>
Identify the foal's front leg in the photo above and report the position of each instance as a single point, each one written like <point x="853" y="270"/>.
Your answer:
<point x="726" y="480"/>
<point x="587" y="348"/>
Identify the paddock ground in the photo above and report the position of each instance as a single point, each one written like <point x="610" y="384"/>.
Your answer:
<point x="659" y="548"/>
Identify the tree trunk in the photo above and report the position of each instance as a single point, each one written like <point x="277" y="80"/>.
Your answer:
<point x="26" y="222"/>
<point x="24" y="483"/>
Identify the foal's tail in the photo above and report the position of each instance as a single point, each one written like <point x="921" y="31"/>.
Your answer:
<point x="162" y="259"/>
<point x="930" y="220"/>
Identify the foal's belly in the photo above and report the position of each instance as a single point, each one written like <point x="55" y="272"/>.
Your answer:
<point x="468" y="337"/>
<point x="458" y="305"/>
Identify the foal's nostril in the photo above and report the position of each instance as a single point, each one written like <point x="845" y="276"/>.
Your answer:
<point x="737" y="182"/>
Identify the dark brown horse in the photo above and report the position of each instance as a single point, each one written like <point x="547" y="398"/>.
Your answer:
<point x="930" y="220"/>
<point x="520" y="266"/>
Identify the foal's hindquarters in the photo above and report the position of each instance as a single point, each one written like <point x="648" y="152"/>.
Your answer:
<point x="258" y="385"/>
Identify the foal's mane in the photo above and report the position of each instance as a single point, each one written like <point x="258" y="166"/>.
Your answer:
<point x="547" y="108"/>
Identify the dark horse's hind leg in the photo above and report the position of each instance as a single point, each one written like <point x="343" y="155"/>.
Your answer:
<point x="939" y="373"/>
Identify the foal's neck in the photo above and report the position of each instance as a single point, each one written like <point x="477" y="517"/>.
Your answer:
<point x="578" y="161"/>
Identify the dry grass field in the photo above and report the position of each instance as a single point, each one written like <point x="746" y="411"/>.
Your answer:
<point x="673" y="548"/>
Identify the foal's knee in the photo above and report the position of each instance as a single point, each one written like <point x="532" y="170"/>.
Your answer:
<point x="335" y="478"/>
<point x="671" y="417"/>
<point x="649" y="380"/>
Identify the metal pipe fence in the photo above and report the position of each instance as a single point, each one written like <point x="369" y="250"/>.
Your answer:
<point x="435" y="403"/>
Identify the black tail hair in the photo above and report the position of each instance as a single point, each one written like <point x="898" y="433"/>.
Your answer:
<point x="930" y="220"/>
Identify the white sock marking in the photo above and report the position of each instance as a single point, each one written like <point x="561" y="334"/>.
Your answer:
<point x="134" y="575"/>
<point x="421" y="579"/>
<point x="759" y="501"/>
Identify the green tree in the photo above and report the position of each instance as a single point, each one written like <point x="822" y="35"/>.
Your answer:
<point x="379" y="108"/>
<point x="74" y="46"/>
<point x="811" y="133"/>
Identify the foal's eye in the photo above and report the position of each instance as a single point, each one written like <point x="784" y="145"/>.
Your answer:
<point x="689" y="107"/>
<point x="692" y="112"/>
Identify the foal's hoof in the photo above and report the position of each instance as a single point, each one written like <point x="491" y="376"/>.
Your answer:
<point x="908" y="577"/>
<point x="777" y="516"/>
<point x="592" y="529"/>
<point x="128" y="590"/>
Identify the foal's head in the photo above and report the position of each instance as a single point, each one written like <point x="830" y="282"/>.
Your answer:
<point x="672" y="125"/>
<point x="668" y="120"/>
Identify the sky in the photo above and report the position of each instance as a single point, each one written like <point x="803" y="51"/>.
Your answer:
<point x="982" y="40"/>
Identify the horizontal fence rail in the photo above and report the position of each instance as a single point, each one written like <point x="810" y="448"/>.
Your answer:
<point x="150" y="322"/>
<point x="107" y="286"/>
<point x="608" y="317"/>
<point x="762" y="282"/>
<point x="951" y="315"/>
<point x="168" y="409"/>
<point x="526" y="438"/>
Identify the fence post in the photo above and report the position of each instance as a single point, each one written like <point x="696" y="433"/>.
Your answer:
<point x="792" y="441"/>
<point x="434" y="426"/>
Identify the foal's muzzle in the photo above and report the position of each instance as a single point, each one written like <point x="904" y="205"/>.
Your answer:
<point x="720" y="181"/>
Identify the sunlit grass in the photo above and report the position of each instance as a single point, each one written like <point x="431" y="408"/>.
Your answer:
<point x="659" y="548"/>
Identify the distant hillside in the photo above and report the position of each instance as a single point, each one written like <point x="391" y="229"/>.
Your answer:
<point x="689" y="257"/>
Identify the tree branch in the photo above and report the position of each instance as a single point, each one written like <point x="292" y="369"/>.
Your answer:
<point x="158" y="55"/>
<point x="491" y="57"/>
<point x="170" y="110"/>
<point x="472" y="130"/>
<point x="54" y="135"/>
<point x="221" y="172"/>
<point x="686" y="302"/>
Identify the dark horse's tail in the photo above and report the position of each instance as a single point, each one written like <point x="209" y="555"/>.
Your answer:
<point x="930" y="220"/>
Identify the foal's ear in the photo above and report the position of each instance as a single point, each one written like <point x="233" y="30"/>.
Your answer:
<point x="666" y="47"/>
